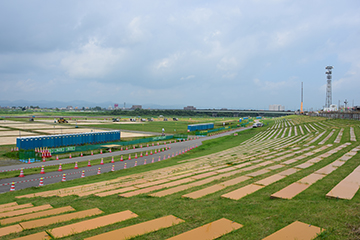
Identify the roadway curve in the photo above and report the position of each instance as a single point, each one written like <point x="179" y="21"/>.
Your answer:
<point x="54" y="177"/>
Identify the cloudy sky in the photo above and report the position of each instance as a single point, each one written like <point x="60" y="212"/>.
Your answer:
<point x="209" y="54"/>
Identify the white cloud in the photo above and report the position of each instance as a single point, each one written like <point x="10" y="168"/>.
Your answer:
<point x="187" y="78"/>
<point x="227" y="63"/>
<point x="92" y="60"/>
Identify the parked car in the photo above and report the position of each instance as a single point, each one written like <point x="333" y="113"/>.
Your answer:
<point x="257" y="124"/>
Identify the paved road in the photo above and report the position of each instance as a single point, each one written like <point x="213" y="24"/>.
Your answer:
<point x="54" y="177"/>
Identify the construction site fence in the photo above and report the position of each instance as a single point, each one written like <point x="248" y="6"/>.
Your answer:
<point x="25" y="155"/>
<point x="219" y="129"/>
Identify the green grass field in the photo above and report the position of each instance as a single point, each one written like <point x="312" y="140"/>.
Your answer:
<point x="260" y="215"/>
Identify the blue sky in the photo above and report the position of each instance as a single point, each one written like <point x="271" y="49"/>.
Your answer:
<point x="209" y="54"/>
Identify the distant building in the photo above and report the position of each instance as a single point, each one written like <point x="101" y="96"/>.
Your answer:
<point x="136" y="107"/>
<point x="332" y="108"/>
<point x="116" y="106"/>
<point x="276" y="107"/>
<point x="69" y="108"/>
<point x="190" y="108"/>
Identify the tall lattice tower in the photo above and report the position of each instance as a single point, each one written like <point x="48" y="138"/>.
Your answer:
<point x="328" y="100"/>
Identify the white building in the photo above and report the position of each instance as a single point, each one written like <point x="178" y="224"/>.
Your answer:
<point x="276" y="107"/>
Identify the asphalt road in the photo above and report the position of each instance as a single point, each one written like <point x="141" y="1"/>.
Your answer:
<point x="54" y="177"/>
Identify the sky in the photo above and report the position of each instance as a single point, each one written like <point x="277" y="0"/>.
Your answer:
<point x="241" y="54"/>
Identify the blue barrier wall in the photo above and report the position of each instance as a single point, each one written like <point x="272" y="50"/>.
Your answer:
<point x="51" y="141"/>
<point x="201" y="126"/>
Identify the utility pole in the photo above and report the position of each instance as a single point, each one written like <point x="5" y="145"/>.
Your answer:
<point x="302" y="99"/>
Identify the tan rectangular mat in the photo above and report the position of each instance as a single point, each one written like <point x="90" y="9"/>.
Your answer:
<point x="10" y="229"/>
<point x="120" y="190"/>
<point x="296" y="230"/>
<point x="139" y="229"/>
<point x="141" y="191"/>
<point x="269" y="180"/>
<point x="326" y="170"/>
<point x="61" y="218"/>
<point x="91" y="224"/>
<point x="12" y="208"/>
<point x="288" y="172"/>
<point x="290" y="191"/>
<point x="203" y="192"/>
<point x="6" y="205"/>
<point x="35" y="236"/>
<point x="275" y="167"/>
<point x="242" y="192"/>
<point x="36" y="215"/>
<point x="312" y="178"/>
<point x="209" y="231"/>
<point x="26" y="210"/>
<point x="257" y="173"/>
<point x="234" y="181"/>
<point x="344" y="190"/>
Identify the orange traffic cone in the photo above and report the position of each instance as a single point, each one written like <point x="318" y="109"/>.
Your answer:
<point x="60" y="168"/>
<point x="57" y="157"/>
<point x="12" y="188"/>
<point x="141" y="146"/>
<point x="82" y="174"/>
<point x="126" y="148"/>
<point x="63" y="178"/>
<point x="135" y="164"/>
<point x="129" y="157"/>
<point x="164" y="157"/>
<point x="110" y="150"/>
<point x="41" y="183"/>
<point x="147" y="145"/>
<point x="112" y="159"/>
<point x="152" y="144"/>
<point x="159" y="159"/>
<point x="98" y="172"/>
<point x="29" y="161"/>
<point x="133" y="146"/>
<point x="141" y="154"/>
<point x="76" y="166"/>
<point x="113" y="168"/>
<point x="81" y="155"/>
<point x="145" y="162"/>
<point x="158" y="144"/>
<point x="169" y="147"/>
<point x="152" y="161"/>
<point x="146" y="154"/>
<point x="89" y="164"/>
<point x="44" y="160"/>
<point x="155" y="151"/>
<point x="21" y="173"/>
<point x="102" y="161"/>
<point x="42" y="170"/>
<point x="121" y="148"/>
<point x="150" y="152"/>
<point x="69" y="155"/>
<point x="92" y="153"/>
<point x="121" y="158"/>
<point x="100" y="151"/>
<point x="135" y="155"/>
<point x="125" y="166"/>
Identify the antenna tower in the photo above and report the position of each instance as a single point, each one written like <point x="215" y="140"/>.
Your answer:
<point x="328" y="100"/>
